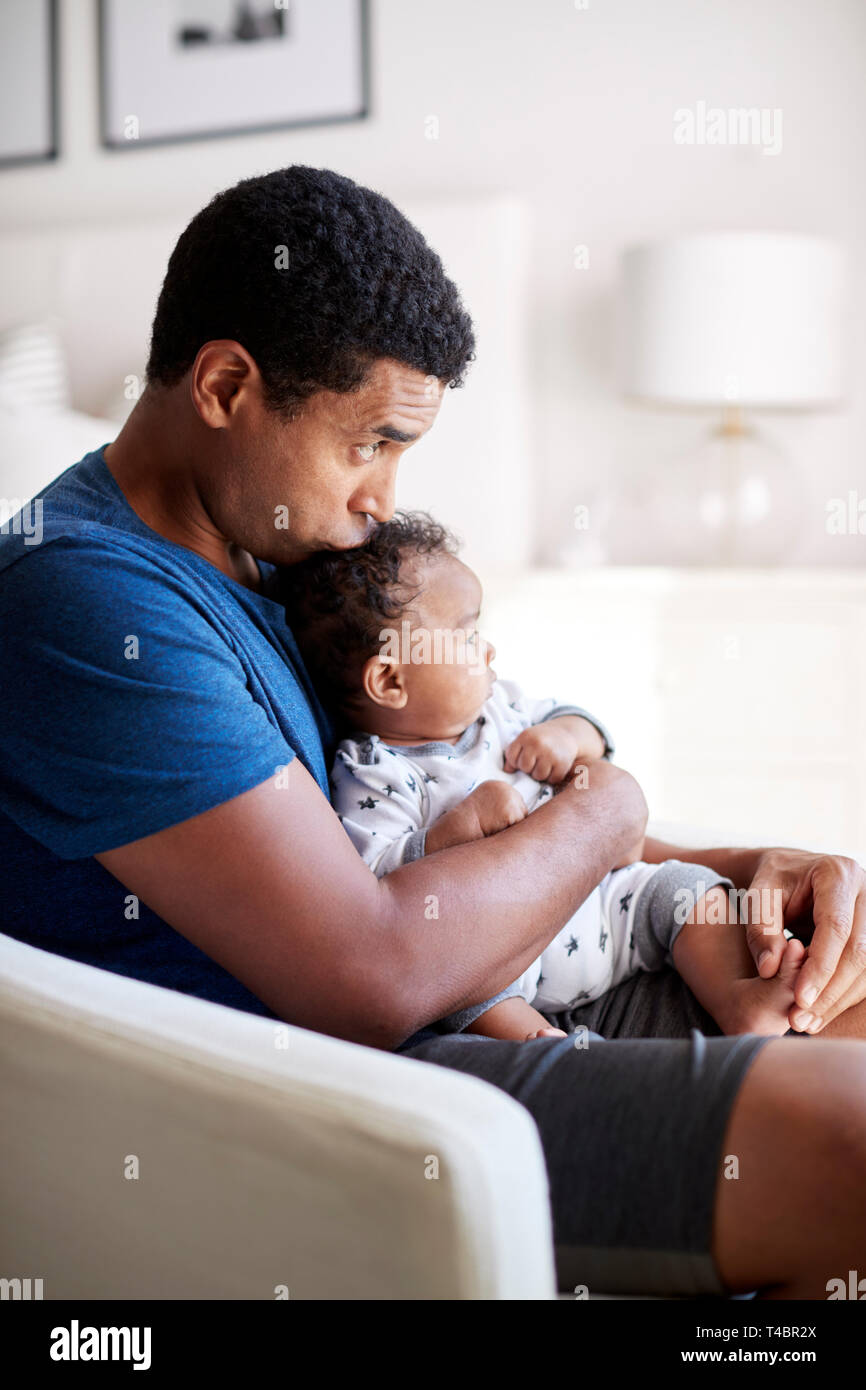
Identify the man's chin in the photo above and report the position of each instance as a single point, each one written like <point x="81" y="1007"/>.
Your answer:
<point x="350" y="545"/>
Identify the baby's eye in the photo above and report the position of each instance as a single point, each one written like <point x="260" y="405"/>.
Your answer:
<point x="372" y="448"/>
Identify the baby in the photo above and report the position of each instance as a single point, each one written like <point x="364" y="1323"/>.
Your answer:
<point x="438" y="751"/>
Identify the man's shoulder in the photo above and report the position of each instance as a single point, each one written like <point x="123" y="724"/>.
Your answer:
<point x="84" y="564"/>
<point x="81" y="594"/>
<point x="78" y="524"/>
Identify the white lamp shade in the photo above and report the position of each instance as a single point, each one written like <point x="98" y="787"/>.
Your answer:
<point x="751" y="318"/>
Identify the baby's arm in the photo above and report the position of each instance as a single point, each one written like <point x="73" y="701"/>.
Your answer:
<point x="489" y="808"/>
<point x="514" y="1020"/>
<point x="552" y="750"/>
<point x="556" y="738"/>
<point x="559" y="740"/>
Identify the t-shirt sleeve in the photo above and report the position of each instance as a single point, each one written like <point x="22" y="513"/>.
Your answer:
<point x="124" y="708"/>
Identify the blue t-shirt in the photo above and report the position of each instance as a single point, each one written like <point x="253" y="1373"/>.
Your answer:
<point x="139" y="686"/>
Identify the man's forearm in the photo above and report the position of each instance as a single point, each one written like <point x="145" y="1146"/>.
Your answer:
<point x="738" y="864"/>
<point x="465" y="922"/>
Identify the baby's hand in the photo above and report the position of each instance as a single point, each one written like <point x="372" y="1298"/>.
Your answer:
<point x="489" y="807"/>
<point x="546" y="751"/>
<point x="496" y="805"/>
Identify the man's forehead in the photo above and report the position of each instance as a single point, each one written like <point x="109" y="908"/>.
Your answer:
<point x="392" y="386"/>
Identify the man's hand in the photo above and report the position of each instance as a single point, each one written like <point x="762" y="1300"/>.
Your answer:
<point x="799" y="888"/>
<point x="549" y="751"/>
<point x="489" y="807"/>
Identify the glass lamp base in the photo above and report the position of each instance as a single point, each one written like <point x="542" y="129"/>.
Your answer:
<point x="734" y="500"/>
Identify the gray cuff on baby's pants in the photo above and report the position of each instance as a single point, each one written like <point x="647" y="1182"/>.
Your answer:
<point x="458" y="1022"/>
<point x="664" y="905"/>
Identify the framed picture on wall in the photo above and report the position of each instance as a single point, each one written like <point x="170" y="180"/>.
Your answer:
<point x="196" y="69"/>
<point x="28" y="81"/>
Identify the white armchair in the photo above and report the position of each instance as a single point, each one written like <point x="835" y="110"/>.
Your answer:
<point x="156" y="1146"/>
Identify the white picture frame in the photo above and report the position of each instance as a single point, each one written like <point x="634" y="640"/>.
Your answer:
<point x="28" y="82"/>
<point x="175" y="70"/>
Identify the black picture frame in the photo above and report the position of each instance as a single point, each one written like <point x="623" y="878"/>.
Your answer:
<point x="13" y="161"/>
<point x="109" y="142"/>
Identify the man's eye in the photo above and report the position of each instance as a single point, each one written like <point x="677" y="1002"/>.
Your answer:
<point x="372" y="448"/>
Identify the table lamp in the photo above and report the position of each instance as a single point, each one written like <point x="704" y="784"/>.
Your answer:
<point x="733" y="321"/>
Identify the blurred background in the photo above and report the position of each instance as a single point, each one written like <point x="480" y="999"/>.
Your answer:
<point x="656" y="215"/>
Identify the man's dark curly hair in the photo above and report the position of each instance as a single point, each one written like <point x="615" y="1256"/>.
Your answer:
<point x="338" y="602"/>
<point x="316" y="276"/>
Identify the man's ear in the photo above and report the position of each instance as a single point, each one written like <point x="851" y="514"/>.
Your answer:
<point x="382" y="681"/>
<point x="220" y="375"/>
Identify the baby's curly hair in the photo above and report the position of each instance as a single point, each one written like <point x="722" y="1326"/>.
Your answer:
<point x="338" y="602"/>
<point x="317" y="277"/>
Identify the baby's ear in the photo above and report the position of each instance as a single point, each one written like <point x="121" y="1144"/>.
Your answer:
<point x="383" y="682"/>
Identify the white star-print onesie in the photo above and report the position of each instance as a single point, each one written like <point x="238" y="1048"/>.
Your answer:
<point x="387" y="797"/>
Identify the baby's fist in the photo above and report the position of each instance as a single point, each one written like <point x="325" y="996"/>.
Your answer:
<point x="497" y="805"/>
<point x="547" y="752"/>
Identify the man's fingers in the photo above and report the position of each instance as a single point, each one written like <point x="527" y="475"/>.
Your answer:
<point x="846" y="988"/>
<point x="833" y="915"/>
<point x="797" y="1017"/>
<point x="764" y="907"/>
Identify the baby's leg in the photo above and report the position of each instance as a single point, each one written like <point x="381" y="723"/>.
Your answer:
<point x="712" y="956"/>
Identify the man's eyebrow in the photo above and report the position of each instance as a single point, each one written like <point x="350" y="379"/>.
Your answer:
<point x="389" y="432"/>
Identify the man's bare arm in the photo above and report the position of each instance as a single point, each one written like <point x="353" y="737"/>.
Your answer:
<point x="270" y="886"/>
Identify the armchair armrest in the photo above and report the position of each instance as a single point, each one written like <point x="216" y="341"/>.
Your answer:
<point x="158" y="1146"/>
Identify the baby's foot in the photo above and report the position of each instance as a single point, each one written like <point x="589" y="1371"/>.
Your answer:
<point x="546" y="1033"/>
<point x="762" y="1006"/>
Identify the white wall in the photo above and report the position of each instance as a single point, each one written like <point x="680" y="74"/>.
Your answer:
<point x="572" y="109"/>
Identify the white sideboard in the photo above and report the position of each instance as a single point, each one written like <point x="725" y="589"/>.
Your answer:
<point x="736" y="697"/>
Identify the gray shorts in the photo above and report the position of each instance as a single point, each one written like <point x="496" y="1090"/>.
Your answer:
<point x="632" y="1126"/>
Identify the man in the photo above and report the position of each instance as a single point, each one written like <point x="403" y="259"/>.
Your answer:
<point x="164" y="809"/>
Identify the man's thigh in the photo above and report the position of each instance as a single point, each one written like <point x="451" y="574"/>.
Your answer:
<point x="632" y="1131"/>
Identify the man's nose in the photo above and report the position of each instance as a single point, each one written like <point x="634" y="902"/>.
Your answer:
<point x="379" y="498"/>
